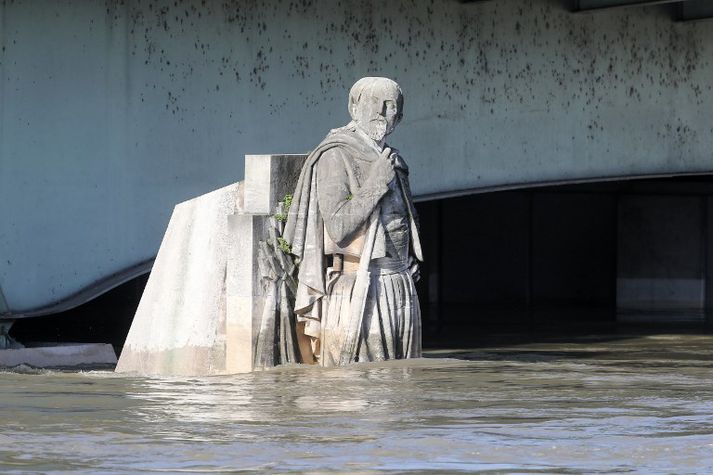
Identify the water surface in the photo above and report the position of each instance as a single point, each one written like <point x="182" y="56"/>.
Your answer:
<point x="642" y="405"/>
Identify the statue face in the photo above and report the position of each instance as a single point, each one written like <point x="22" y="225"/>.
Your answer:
<point x="377" y="112"/>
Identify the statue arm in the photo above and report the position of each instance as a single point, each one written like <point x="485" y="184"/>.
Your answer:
<point x="344" y="210"/>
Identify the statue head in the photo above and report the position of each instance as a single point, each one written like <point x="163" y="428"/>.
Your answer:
<point x="376" y="106"/>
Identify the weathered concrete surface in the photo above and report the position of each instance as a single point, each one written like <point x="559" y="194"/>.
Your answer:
<point x="114" y="111"/>
<point x="61" y="356"/>
<point x="179" y="326"/>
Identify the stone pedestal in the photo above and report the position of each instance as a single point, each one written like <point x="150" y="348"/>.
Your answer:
<point x="203" y="299"/>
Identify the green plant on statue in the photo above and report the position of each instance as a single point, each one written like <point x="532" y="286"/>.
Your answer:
<point x="283" y="205"/>
<point x="284" y="245"/>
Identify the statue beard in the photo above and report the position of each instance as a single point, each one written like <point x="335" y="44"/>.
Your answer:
<point x="377" y="129"/>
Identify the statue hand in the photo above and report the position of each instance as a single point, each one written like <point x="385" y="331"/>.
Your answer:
<point x="382" y="170"/>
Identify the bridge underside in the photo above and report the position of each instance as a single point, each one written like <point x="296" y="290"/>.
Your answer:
<point x="625" y="252"/>
<point x="536" y="261"/>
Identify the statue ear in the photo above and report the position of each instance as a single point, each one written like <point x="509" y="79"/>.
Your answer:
<point x="400" y="105"/>
<point x="354" y="104"/>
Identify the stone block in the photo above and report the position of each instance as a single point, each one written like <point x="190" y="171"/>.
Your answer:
<point x="203" y="302"/>
<point x="179" y="326"/>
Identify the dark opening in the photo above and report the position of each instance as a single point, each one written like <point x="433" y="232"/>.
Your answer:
<point x="567" y="259"/>
<point x="106" y="319"/>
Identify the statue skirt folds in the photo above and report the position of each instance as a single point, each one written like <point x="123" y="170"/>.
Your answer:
<point x="391" y="325"/>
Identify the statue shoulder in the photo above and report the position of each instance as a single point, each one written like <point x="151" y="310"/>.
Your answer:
<point x="334" y="161"/>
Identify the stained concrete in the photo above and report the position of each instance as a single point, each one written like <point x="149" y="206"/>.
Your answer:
<point x="112" y="112"/>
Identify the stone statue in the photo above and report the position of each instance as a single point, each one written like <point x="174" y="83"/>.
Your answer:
<point x="353" y="227"/>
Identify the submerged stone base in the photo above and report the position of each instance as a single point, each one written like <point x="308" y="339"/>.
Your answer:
<point x="201" y="310"/>
<point x="78" y="355"/>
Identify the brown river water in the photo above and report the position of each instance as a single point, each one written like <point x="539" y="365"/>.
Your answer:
<point x="601" y="405"/>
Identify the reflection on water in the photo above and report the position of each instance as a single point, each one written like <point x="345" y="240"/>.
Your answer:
<point x="640" y="404"/>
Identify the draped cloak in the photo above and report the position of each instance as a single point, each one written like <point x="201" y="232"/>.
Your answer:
<point x="305" y="232"/>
